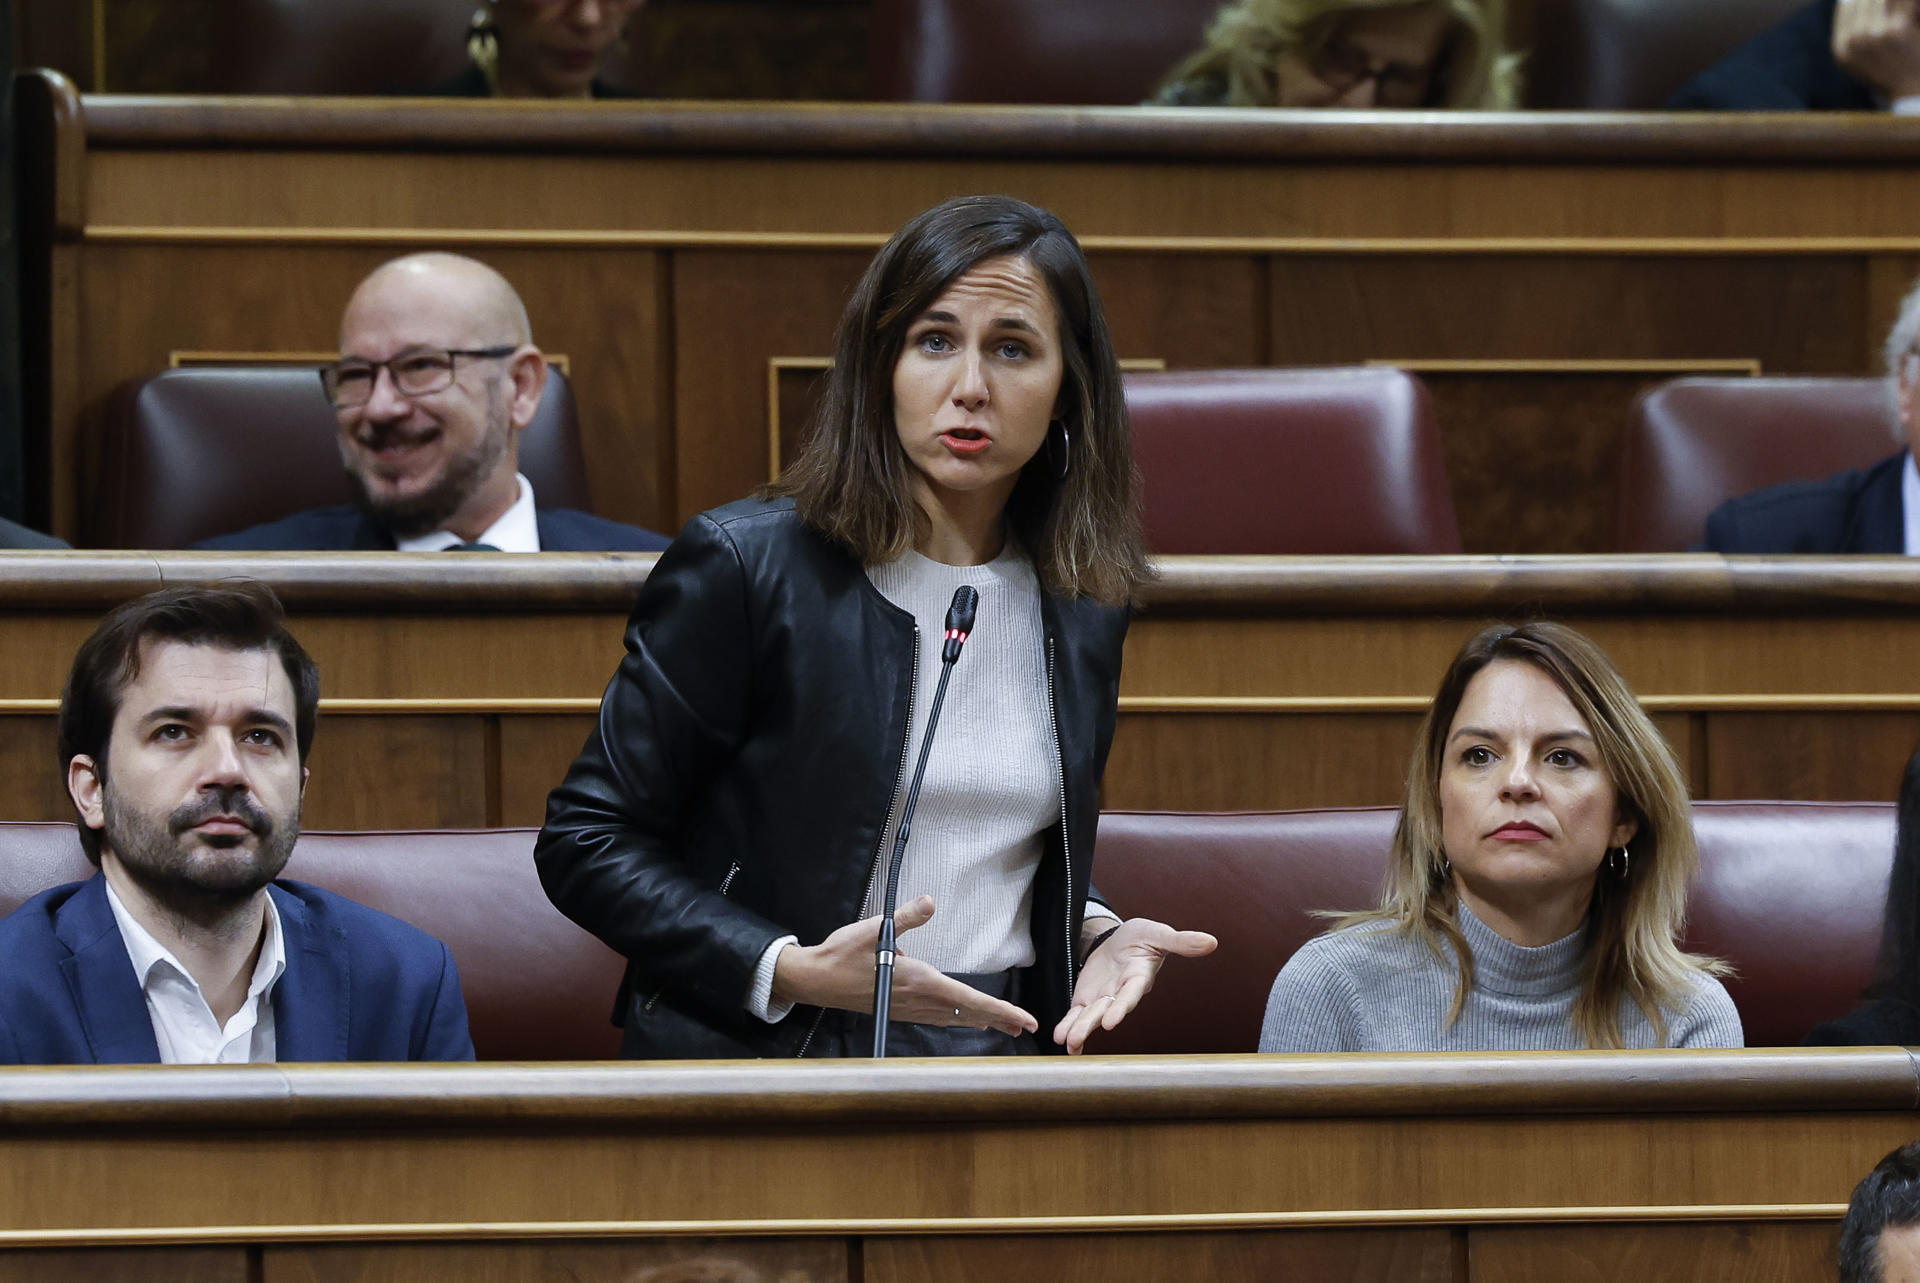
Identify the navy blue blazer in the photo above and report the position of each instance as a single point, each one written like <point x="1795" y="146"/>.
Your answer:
<point x="359" y="985"/>
<point x="346" y="529"/>
<point x="1856" y="511"/>
<point x="1788" y="67"/>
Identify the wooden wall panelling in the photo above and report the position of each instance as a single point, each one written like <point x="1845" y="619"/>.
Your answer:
<point x="1755" y="1252"/>
<point x="689" y="1260"/>
<point x="32" y="786"/>
<point x="535" y="752"/>
<point x="1193" y="311"/>
<point x="602" y="308"/>
<point x="1890" y="277"/>
<point x="1301" y="1256"/>
<point x="386" y="771"/>
<point x="1533" y="458"/>
<point x="127" y="1265"/>
<point x="1829" y="757"/>
<point x="733" y="311"/>
<point x="1532" y="455"/>
<point x="353" y="1156"/>
<point x="383" y="654"/>
<point x="1793" y="313"/>
<point x="1255" y="762"/>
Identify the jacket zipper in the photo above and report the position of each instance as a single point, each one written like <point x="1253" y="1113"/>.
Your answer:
<point x="899" y="777"/>
<point x="1066" y="841"/>
<point x="733" y="871"/>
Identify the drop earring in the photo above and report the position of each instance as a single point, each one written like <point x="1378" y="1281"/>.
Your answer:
<point x="1065" y="457"/>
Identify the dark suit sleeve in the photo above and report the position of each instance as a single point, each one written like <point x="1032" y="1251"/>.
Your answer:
<point x="1788" y="67"/>
<point x="677" y="711"/>
<point x="446" y="1036"/>
<point x="9" y="1045"/>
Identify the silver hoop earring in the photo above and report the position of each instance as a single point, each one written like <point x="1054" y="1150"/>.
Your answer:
<point x="1619" y="867"/>
<point x="1064" y="459"/>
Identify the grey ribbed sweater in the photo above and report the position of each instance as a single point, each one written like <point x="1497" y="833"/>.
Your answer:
<point x="1372" y="988"/>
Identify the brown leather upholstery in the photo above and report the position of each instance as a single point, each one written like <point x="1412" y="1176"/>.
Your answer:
<point x="537" y="987"/>
<point x="1029" y="51"/>
<point x="1290" y="461"/>
<point x="1695" y="443"/>
<point x="1624" y="55"/>
<point x="204" y="450"/>
<point x="338" y="46"/>
<point x="1791" y="893"/>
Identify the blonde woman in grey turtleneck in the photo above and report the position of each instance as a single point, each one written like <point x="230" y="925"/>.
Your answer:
<point x="1536" y="883"/>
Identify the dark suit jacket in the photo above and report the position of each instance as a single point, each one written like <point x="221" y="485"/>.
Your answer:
<point x="359" y="985"/>
<point x="344" y="529"/>
<point x="1848" y="512"/>
<point x="1882" y="1022"/>
<point x="1788" y="67"/>
<point x="14" y="535"/>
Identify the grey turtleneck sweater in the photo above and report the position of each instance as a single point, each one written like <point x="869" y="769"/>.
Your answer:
<point x="1374" y="988"/>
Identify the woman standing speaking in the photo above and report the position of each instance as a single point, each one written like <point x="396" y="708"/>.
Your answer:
<point x="728" y="825"/>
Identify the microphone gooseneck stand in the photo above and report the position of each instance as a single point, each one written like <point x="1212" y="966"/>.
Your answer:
<point x="959" y="624"/>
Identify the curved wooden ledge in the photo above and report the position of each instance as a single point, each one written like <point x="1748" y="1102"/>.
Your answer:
<point x="1048" y="1089"/>
<point x="878" y="129"/>
<point x="1290" y="586"/>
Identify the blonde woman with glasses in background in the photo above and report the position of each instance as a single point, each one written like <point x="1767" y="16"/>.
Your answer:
<point x="1350" y="53"/>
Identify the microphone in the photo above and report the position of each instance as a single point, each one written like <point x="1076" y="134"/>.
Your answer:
<point x="966" y="602"/>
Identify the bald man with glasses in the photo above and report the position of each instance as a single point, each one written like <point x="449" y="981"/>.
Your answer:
<point x="438" y="375"/>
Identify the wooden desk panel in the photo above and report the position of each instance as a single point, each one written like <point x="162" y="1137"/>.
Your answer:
<point x="457" y="693"/>
<point x="1642" y="1166"/>
<point x="676" y="251"/>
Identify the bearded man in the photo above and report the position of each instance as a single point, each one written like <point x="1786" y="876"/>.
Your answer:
<point x="438" y="376"/>
<point x="184" y="731"/>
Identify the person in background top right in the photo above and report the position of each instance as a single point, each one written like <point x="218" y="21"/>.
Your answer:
<point x="1349" y="53"/>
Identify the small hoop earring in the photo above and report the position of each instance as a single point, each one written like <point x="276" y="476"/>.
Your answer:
<point x="1620" y="866"/>
<point x="1066" y="451"/>
<point x="1446" y="866"/>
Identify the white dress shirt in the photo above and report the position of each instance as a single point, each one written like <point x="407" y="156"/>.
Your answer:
<point x="183" y="1023"/>
<point x="518" y="529"/>
<point x="1910" y="505"/>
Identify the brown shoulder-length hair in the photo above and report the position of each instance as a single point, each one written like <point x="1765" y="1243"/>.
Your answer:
<point x="852" y="480"/>
<point x="1634" y="921"/>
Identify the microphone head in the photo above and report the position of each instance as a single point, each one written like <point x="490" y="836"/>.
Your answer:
<point x="960" y="614"/>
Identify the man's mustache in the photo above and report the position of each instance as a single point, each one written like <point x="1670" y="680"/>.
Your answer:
<point x="235" y="802"/>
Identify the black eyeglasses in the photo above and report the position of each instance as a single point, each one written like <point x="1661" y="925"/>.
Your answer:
<point x="417" y="373"/>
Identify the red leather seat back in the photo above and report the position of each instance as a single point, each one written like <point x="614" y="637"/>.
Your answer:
<point x="206" y="450"/>
<point x="1290" y="461"/>
<point x="537" y="987"/>
<point x="338" y="46"/>
<point x="1029" y="51"/>
<point x="1254" y="880"/>
<point x="1695" y="443"/>
<point x="1793" y="894"/>
<point x="1628" y="55"/>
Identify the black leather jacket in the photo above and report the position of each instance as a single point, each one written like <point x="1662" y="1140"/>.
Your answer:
<point x="748" y="752"/>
